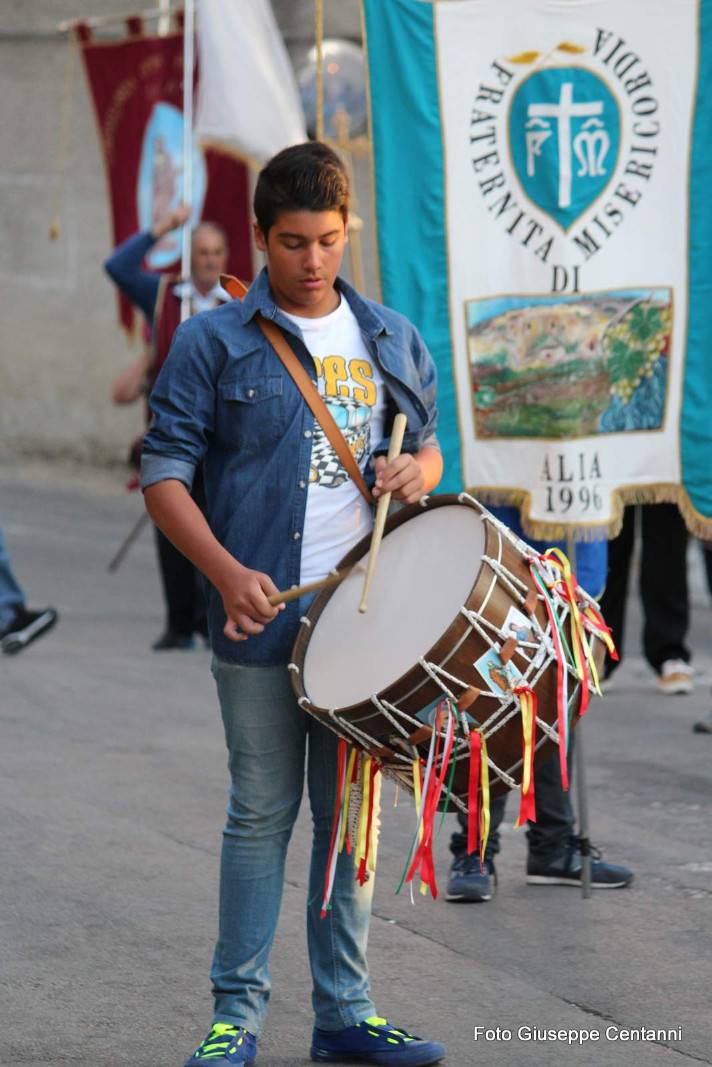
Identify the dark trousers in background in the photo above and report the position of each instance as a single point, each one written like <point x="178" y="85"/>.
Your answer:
<point x="551" y="834"/>
<point x="663" y="583"/>
<point x="707" y="557"/>
<point x="182" y="584"/>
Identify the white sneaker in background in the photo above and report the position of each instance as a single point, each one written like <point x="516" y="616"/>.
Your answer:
<point x="676" y="678"/>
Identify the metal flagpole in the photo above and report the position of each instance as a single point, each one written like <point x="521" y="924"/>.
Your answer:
<point x="188" y="62"/>
<point x="581" y="794"/>
<point x="319" y="15"/>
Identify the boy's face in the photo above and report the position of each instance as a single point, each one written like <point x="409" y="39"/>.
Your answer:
<point x="304" y="251"/>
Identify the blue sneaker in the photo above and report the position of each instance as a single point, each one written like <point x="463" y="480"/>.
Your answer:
<point x="374" y="1041"/>
<point x="225" y="1045"/>
<point x="567" y="869"/>
<point x="470" y="881"/>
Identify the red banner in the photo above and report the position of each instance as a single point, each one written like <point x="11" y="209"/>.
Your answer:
<point x="137" y="90"/>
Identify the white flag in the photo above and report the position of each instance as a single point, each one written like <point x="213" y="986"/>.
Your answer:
<point x="247" y="94"/>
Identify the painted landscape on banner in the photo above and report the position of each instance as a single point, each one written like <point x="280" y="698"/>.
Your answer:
<point x="543" y="218"/>
<point x="569" y="366"/>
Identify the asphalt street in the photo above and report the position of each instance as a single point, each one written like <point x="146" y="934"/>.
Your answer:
<point x="112" y="791"/>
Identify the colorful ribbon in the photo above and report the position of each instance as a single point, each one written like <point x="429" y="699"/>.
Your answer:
<point x="335" y="827"/>
<point x="473" y="792"/>
<point x="562" y="680"/>
<point x="528" y="708"/>
<point x="485" y="810"/>
<point x="435" y="776"/>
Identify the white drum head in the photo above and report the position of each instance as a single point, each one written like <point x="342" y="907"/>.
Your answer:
<point x="425" y="572"/>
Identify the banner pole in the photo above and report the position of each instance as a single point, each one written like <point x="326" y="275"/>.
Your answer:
<point x="188" y="63"/>
<point x="581" y="793"/>
<point x="319" y="12"/>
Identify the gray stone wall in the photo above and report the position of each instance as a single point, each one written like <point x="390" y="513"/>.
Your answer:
<point x="60" y="346"/>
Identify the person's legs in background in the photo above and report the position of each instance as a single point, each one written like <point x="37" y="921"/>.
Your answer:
<point x="11" y="596"/>
<point x="613" y="600"/>
<point x="663" y="590"/>
<point x="471" y="881"/>
<point x="183" y="589"/>
<point x="706" y="547"/>
<point x="18" y="625"/>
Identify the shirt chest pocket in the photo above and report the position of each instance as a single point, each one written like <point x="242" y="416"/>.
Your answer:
<point x="251" y="412"/>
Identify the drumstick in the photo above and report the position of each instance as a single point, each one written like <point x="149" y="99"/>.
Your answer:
<point x="399" y="425"/>
<point x="310" y="587"/>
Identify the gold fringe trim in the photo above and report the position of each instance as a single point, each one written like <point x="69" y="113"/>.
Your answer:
<point x="697" y="524"/>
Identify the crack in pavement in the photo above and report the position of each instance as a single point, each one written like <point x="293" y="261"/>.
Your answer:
<point x="610" y="1019"/>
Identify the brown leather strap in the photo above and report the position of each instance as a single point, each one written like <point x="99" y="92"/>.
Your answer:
<point x="306" y="387"/>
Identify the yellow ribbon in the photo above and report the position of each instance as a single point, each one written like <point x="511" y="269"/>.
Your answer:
<point x="417" y="794"/>
<point x="526" y="706"/>
<point x="360" y="851"/>
<point x="375" y="823"/>
<point x="484" y="785"/>
<point x="347" y="798"/>
<point x="576" y="622"/>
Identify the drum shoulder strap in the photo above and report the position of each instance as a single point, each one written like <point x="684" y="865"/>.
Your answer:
<point x="306" y="387"/>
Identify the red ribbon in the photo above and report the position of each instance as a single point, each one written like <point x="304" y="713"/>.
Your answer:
<point x="473" y="807"/>
<point x="341" y="763"/>
<point x="424" y="855"/>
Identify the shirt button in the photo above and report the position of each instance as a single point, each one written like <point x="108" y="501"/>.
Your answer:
<point x="307" y="433"/>
<point x="297" y="535"/>
<point x="250" y="393"/>
<point x="302" y="485"/>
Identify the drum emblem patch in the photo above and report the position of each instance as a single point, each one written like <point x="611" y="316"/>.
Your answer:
<point x="500" y="678"/>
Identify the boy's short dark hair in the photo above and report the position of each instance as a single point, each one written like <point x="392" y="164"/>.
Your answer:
<point x="304" y="177"/>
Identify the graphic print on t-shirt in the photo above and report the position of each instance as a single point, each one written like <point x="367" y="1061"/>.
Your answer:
<point x="350" y="393"/>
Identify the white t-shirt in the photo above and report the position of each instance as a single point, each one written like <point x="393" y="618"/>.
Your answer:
<point x="350" y="383"/>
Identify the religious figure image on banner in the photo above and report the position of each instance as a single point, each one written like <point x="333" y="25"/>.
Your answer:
<point x="136" y="86"/>
<point x="159" y="186"/>
<point x="569" y="366"/>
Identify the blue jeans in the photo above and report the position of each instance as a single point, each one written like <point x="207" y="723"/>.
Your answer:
<point x="268" y="738"/>
<point x="11" y="596"/>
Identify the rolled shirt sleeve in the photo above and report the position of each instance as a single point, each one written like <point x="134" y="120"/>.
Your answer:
<point x="182" y="406"/>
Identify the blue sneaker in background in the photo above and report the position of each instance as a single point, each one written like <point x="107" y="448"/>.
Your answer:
<point x="470" y="881"/>
<point x="567" y="869"/>
<point x="376" y="1041"/>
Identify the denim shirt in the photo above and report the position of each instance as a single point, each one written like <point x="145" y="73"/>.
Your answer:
<point x="224" y="399"/>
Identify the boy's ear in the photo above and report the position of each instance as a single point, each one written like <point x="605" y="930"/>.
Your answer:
<point x="259" y="237"/>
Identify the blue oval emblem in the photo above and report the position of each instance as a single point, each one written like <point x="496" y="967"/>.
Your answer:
<point x="564" y="133"/>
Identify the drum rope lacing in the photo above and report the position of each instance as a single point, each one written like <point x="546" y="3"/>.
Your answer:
<point x="399" y="755"/>
<point x="536" y="659"/>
